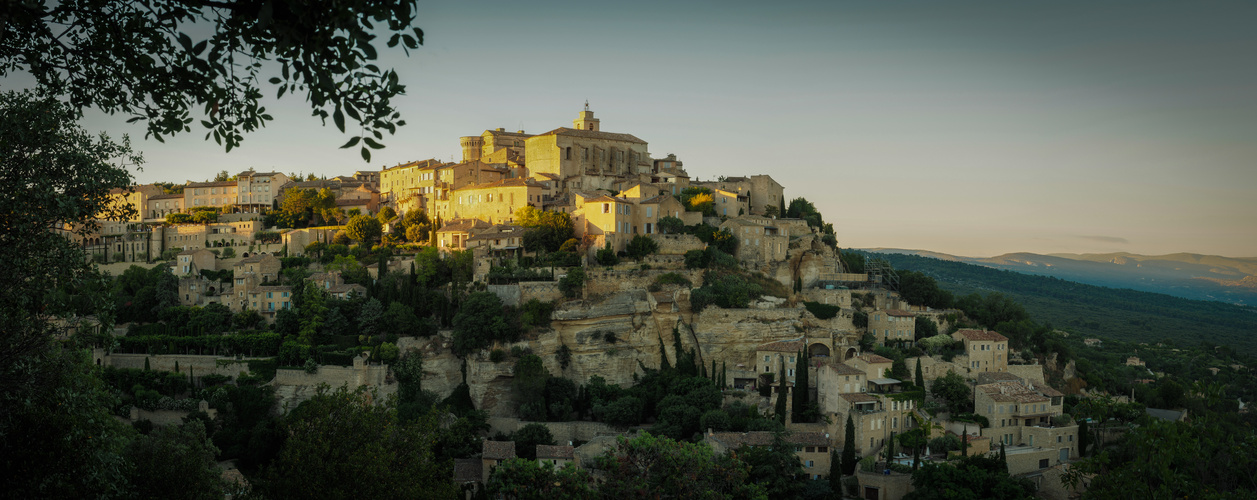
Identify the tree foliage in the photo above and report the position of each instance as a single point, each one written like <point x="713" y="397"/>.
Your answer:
<point x="141" y="60"/>
<point x="524" y="479"/>
<point x="657" y="467"/>
<point x="953" y="389"/>
<point x="364" y="229"/>
<point x="341" y="444"/>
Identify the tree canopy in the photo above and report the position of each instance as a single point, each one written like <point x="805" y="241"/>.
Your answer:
<point x="141" y="59"/>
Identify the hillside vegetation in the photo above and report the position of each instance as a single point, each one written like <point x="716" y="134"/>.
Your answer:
<point x="1088" y="310"/>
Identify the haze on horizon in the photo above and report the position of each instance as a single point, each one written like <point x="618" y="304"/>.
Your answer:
<point x="967" y="128"/>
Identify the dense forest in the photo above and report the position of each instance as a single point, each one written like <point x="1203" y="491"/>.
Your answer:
<point x="1090" y="310"/>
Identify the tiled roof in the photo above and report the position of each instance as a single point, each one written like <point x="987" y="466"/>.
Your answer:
<point x="1011" y="392"/>
<point x="795" y="345"/>
<point x="845" y="369"/>
<point x="353" y="203"/>
<point x="498" y="450"/>
<point x="971" y="334"/>
<point x="467" y="470"/>
<point x="874" y="359"/>
<point x="515" y="182"/>
<point x="166" y="197"/>
<point x="858" y="397"/>
<point x="547" y="175"/>
<point x="655" y="199"/>
<point x="253" y="259"/>
<point x="900" y="314"/>
<point x="605" y="198"/>
<point x="590" y="134"/>
<point x="190" y="252"/>
<point x="348" y="288"/>
<point x="499" y="231"/>
<point x="547" y="451"/>
<point x="250" y="173"/>
<point x="992" y="377"/>
<point x="503" y="132"/>
<point x="271" y="288"/>
<point x="463" y="225"/>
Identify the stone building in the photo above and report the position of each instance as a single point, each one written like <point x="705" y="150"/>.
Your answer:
<point x="769" y="358"/>
<point x="585" y="157"/>
<point x="759" y="239"/>
<point x="455" y="233"/>
<point x="159" y="206"/>
<point x="812" y="448"/>
<point x="492" y="454"/>
<point x="1022" y="412"/>
<point x="892" y="326"/>
<point x="759" y="191"/>
<point x="496" y="202"/>
<point x="985" y="350"/>
<point x="257" y="191"/>
<point x="192" y="262"/>
<point x="554" y="456"/>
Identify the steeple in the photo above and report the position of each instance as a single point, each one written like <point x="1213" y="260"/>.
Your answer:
<point x="586" y="121"/>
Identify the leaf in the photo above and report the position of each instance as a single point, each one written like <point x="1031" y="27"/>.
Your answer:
<point x="282" y="89"/>
<point x="339" y="118"/>
<point x="353" y="113"/>
<point x="275" y="80"/>
<point x="352" y="142"/>
<point x="207" y="124"/>
<point x="185" y="41"/>
<point x="371" y="142"/>
<point x="392" y="41"/>
<point x="199" y="48"/>
<point x="366" y="154"/>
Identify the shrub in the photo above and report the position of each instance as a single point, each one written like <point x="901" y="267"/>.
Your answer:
<point x="571" y="284"/>
<point x="672" y="279"/>
<point x="610" y="338"/>
<point x="607" y="256"/>
<point x="497" y="356"/>
<point x="641" y="246"/>
<point x="822" y="311"/>
<point x="311" y="366"/>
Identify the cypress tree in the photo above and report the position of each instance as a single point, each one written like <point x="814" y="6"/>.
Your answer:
<point x="848" y="448"/>
<point x="177" y="370"/>
<point x="800" y="388"/>
<point x="1003" y="458"/>
<point x="663" y="357"/>
<point x="781" y="402"/>
<point x="713" y="372"/>
<point x="146" y="367"/>
<point x="964" y="441"/>
<point x="835" y="471"/>
<point x="920" y="379"/>
<point x="724" y="374"/>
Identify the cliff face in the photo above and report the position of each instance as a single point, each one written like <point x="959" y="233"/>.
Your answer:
<point x="618" y="327"/>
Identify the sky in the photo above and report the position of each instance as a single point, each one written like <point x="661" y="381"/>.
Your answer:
<point x="970" y="128"/>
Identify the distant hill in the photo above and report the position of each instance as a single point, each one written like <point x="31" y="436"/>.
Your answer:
<point x="1186" y="275"/>
<point x="1090" y="310"/>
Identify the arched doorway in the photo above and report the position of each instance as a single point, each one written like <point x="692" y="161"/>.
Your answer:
<point x="818" y="350"/>
<point x="851" y="353"/>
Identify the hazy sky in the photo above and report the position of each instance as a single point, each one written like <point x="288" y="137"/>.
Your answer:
<point x="968" y="128"/>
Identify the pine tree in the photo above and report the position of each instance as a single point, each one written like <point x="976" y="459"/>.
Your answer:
<point x="800" y="388"/>
<point x="848" y="448"/>
<point x="920" y="379"/>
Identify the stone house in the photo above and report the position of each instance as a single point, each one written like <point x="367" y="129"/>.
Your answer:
<point x="210" y="194"/>
<point x="198" y="291"/>
<point x="492" y="454"/>
<point x="192" y="262"/>
<point x="873" y="366"/>
<point x="892" y="325"/>
<point x="137" y="196"/>
<point x="468" y="476"/>
<point x="502" y="237"/>
<point x="268" y="299"/>
<point x="455" y="233"/>
<point x="555" y="456"/>
<point x="1134" y="361"/>
<point x="1021" y="413"/>
<point x="334" y="284"/>
<point x="157" y="207"/>
<point x="769" y="358"/>
<point x="985" y="350"/>
<point x="842" y="390"/>
<point x="759" y="239"/>
<point x="761" y="191"/>
<point x="812" y="448"/>
<point x="730" y="203"/>
<point x="257" y="191"/>
<point x="495" y="201"/>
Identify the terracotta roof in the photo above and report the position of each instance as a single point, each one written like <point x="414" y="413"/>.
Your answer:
<point x="795" y="345"/>
<point x="463" y="225"/>
<point x="467" y="470"/>
<point x="655" y="199"/>
<point x="845" y="369"/>
<point x="547" y="451"/>
<point x="874" y="359"/>
<point x="547" y="175"/>
<point x="971" y="334"/>
<point x="900" y="314"/>
<point x="498" y="450"/>
<point x="353" y="202"/>
<point x="605" y="198"/>
<point x="270" y="288"/>
<point x="590" y="134"/>
<point x="252" y="259"/>
<point x="190" y="252"/>
<point x="499" y="231"/>
<point x="503" y="132"/>
<point x="348" y="288"/>
<point x="250" y="173"/>
<point x="992" y="377"/>
<point x="765" y="438"/>
<point x="166" y="197"/>
<point x="1011" y="392"/>
<point x="858" y="397"/>
<point x="421" y="164"/>
<point x="515" y="182"/>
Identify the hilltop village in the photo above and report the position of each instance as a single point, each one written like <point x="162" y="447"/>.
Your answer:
<point x="536" y="289"/>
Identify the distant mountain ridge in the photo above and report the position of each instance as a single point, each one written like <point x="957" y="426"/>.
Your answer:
<point x="1186" y="275"/>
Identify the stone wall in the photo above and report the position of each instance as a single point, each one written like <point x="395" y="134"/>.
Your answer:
<point x="933" y="368"/>
<point x="677" y="244"/>
<point x="1028" y="372"/>
<point x="200" y="365"/>
<point x="564" y="432"/>
<point x="880" y="486"/>
<point x="602" y="282"/>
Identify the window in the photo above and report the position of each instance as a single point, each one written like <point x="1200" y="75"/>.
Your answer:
<point x="606" y="208"/>
<point x="811" y="463"/>
<point x="567" y="154"/>
<point x="1043" y="463"/>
